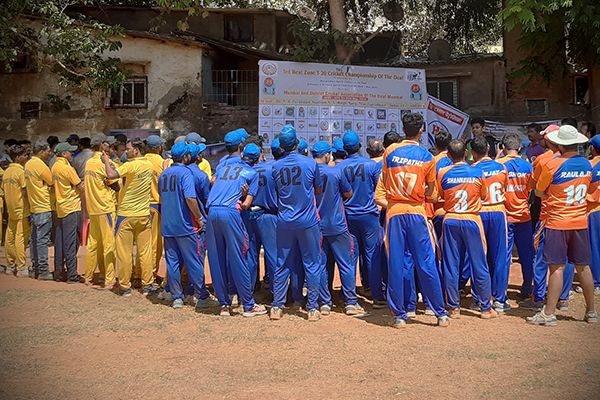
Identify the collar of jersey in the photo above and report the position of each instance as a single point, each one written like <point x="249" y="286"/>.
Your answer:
<point x="486" y="158"/>
<point x="14" y="164"/>
<point x="62" y="160"/>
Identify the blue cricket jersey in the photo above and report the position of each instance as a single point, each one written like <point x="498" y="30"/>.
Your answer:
<point x="201" y="185"/>
<point x="296" y="178"/>
<point x="362" y="174"/>
<point x="330" y="202"/>
<point x="229" y="179"/>
<point x="266" y="197"/>
<point x="175" y="184"/>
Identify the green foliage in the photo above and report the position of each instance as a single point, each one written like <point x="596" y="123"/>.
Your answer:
<point x="555" y="34"/>
<point x="58" y="104"/>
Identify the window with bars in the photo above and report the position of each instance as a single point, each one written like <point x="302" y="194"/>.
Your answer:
<point x="132" y="93"/>
<point x="445" y="90"/>
<point x="232" y="86"/>
<point x="536" y="107"/>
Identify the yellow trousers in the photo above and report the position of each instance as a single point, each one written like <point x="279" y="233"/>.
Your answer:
<point x="130" y="231"/>
<point x="157" y="239"/>
<point x="17" y="240"/>
<point x="101" y="248"/>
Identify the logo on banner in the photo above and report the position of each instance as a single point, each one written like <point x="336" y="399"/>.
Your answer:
<point x="415" y="92"/>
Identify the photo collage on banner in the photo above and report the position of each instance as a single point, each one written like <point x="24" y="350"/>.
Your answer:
<point x="322" y="101"/>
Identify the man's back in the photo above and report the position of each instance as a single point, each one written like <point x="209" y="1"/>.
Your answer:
<point x="38" y="177"/>
<point x="496" y="179"/>
<point x="99" y="198"/>
<point x="330" y="203"/>
<point x="362" y="174"/>
<point x="230" y="177"/>
<point x="176" y="183"/>
<point x="80" y="160"/>
<point x="266" y="197"/>
<point x="13" y="183"/>
<point x="519" y="186"/>
<point x="201" y="186"/>
<point x="157" y="167"/>
<point x="134" y="197"/>
<point x="462" y="187"/>
<point x="296" y="178"/>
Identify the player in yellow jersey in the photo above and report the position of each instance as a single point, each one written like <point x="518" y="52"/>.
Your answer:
<point x="154" y="148"/>
<point x="38" y="181"/>
<point x="68" y="189"/>
<point x="18" y="229"/>
<point x="101" y="206"/>
<point x="133" y="216"/>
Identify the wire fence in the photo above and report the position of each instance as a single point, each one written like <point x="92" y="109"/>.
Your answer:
<point x="232" y="86"/>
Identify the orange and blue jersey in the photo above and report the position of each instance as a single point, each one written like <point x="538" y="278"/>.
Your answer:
<point x="266" y="197"/>
<point x="230" y="177"/>
<point x="362" y="174"/>
<point x="593" y="198"/>
<point x="330" y="203"/>
<point x="496" y="179"/>
<point x="566" y="180"/>
<point x="462" y="187"/>
<point x="540" y="162"/>
<point x="516" y="198"/>
<point x="594" y="220"/>
<point x="436" y="211"/>
<point x="296" y="178"/>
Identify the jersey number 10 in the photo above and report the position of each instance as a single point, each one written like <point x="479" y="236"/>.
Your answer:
<point x="576" y="194"/>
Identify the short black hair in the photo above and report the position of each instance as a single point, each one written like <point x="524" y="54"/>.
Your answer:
<point x="569" y="121"/>
<point x="10" y="142"/>
<point x="480" y="146"/>
<point x="85" y="142"/>
<point x="412" y="124"/>
<point x="52" y="141"/>
<point x="442" y="139"/>
<point x="138" y="143"/>
<point x="232" y="148"/>
<point x="15" y="151"/>
<point x="24" y="141"/>
<point x="390" y="138"/>
<point x="590" y="127"/>
<point x="256" y="139"/>
<point x="511" y="142"/>
<point x="457" y="150"/>
<point x="477" y="120"/>
<point x="533" y="125"/>
<point x="375" y="148"/>
<point x="119" y="137"/>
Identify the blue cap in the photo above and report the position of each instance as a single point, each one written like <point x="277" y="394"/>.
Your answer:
<point x="338" y="146"/>
<point x="251" y="151"/>
<point x="243" y="134"/>
<point x="321" y="148"/>
<point x="276" y="149"/>
<point x="595" y="141"/>
<point x="302" y="146"/>
<point x="196" y="149"/>
<point x="154" y="141"/>
<point x="351" y="140"/>
<point x="234" y="138"/>
<point x="194" y="137"/>
<point x="288" y="138"/>
<point x="180" y="149"/>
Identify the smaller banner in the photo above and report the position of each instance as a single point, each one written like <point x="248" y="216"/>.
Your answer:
<point x="442" y="116"/>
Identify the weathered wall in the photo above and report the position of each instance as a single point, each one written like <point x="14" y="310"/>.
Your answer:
<point x="174" y="74"/>
<point x="218" y="119"/>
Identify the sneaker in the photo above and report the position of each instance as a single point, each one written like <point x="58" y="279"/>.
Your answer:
<point x="203" y="304"/>
<point x="22" y="273"/>
<point x="126" y="292"/>
<point x="325" y="309"/>
<point x="429" y="311"/>
<point x="304" y="291"/>
<point x="489" y="314"/>
<point x="411" y="314"/>
<point x="454" y="313"/>
<point x="150" y="289"/>
<point x="258" y="309"/>
<point x="591" y="317"/>
<point x="45" y="277"/>
<point x="571" y="295"/>
<point x="578" y="289"/>
<point x="314" y="315"/>
<point x="443" y="321"/>
<point x="474" y="306"/>
<point x="563" y="305"/>
<point x="529" y="304"/>
<point x="234" y="300"/>
<point x="398" y="323"/>
<point x="379" y="304"/>
<point x="136" y="283"/>
<point x="177" y="304"/>
<point x="6" y="270"/>
<point x="165" y="296"/>
<point x="542" y="319"/>
<point x="501" y="307"/>
<point x="225" y="311"/>
<point x="276" y="313"/>
<point x="355" y="310"/>
<point x="191" y="300"/>
<point x="597" y="291"/>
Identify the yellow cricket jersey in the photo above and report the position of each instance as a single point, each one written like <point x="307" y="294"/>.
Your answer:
<point x="38" y="180"/>
<point x="99" y="197"/>
<point x="65" y="181"/>
<point x="134" y="198"/>
<point x="205" y="166"/>
<point x="157" y="168"/>
<point x="13" y="183"/>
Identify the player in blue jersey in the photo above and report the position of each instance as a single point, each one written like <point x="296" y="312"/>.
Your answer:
<point x="298" y="235"/>
<point x="226" y="235"/>
<point x="181" y="221"/>
<point x="493" y="218"/>
<point x="338" y="151"/>
<point x="303" y="147"/>
<point x="243" y="135"/>
<point x="336" y="237"/>
<point x="363" y="215"/>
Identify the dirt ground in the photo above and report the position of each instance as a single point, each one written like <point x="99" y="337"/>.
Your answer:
<point x="60" y="341"/>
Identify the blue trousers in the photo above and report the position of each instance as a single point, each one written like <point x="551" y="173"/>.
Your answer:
<point x="540" y="269"/>
<point x="462" y="237"/>
<point x="410" y="283"/>
<point x="189" y="251"/>
<point x="495" y="229"/>
<point x="594" y="230"/>
<point x="410" y="232"/>
<point x="263" y="232"/>
<point x="521" y="235"/>
<point x="298" y="250"/>
<point x="365" y="229"/>
<point x="253" y="247"/>
<point x="227" y="242"/>
<point x="341" y="247"/>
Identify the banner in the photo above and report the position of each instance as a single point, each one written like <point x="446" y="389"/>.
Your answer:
<point x="323" y="100"/>
<point x="501" y="129"/>
<point x="442" y="116"/>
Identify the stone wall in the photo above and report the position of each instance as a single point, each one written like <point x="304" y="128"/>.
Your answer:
<point x="218" y="119"/>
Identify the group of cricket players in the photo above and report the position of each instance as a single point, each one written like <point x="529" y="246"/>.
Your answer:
<point x="413" y="224"/>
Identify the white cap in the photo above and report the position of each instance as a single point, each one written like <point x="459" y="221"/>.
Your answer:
<point x="567" y="135"/>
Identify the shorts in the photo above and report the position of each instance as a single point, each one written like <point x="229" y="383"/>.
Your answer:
<point x="568" y="245"/>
